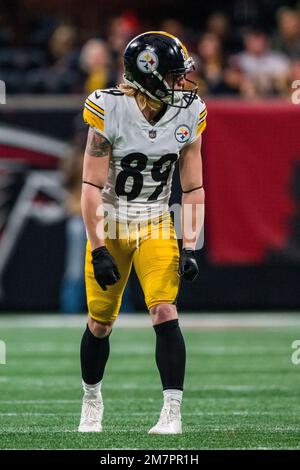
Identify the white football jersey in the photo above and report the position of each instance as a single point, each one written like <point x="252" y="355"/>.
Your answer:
<point x="143" y="155"/>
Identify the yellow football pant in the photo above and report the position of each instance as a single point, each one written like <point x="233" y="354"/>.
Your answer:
<point x="152" y="248"/>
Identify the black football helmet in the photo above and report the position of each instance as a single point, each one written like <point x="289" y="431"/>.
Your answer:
<point x="151" y="59"/>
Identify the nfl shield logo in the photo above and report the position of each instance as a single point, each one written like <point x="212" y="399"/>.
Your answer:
<point x="152" y="134"/>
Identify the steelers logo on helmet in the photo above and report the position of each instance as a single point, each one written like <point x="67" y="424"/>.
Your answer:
<point x="182" y="133"/>
<point x="147" y="61"/>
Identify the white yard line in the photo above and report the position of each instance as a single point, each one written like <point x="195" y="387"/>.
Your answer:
<point x="148" y="413"/>
<point x="108" y="387"/>
<point x="201" y="320"/>
<point x="44" y="349"/>
<point x="188" y="429"/>
<point x="37" y="402"/>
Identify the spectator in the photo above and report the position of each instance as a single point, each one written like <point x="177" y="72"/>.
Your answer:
<point x="294" y="70"/>
<point x="62" y="41"/>
<point x="294" y="74"/>
<point x="176" y="28"/>
<point x="266" y="69"/>
<point x="287" y="38"/>
<point x="173" y="27"/>
<point x="211" y="62"/>
<point x="35" y="58"/>
<point x="62" y="75"/>
<point x="219" y="23"/>
<point x="95" y="61"/>
<point x="121" y="29"/>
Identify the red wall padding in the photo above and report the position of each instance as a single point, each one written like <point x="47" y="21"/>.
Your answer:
<point x="249" y="150"/>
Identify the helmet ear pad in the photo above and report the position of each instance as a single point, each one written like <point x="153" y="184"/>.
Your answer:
<point x="155" y="85"/>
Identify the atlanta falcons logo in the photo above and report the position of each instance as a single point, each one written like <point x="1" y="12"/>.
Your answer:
<point x="30" y="186"/>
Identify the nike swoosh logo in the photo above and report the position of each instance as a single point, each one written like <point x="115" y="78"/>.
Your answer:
<point x="97" y="96"/>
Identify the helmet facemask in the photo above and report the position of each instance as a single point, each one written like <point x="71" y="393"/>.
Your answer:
<point x="174" y="96"/>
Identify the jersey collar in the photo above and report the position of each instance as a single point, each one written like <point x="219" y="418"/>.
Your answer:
<point x="170" y="113"/>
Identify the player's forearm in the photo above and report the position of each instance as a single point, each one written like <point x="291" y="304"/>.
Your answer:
<point x="93" y="215"/>
<point x="192" y="217"/>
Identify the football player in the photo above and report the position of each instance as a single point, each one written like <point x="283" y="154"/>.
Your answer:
<point x="137" y="132"/>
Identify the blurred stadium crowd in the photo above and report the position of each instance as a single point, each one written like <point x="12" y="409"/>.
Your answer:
<point x="247" y="49"/>
<point x="231" y="59"/>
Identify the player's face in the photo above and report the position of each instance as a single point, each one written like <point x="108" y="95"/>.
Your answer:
<point x="179" y="81"/>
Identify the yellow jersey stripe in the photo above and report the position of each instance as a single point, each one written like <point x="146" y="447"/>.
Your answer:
<point x="86" y="105"/>
<point x="96" y="107"/>
<point x="202" y="114"/>
<point x="202" y="119"/>
<point x="201" y="127"/>
<point x="93" y="119"/>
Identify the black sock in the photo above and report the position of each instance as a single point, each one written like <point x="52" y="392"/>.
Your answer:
<point x="170" y="354"/>
<point x="94" y="353"/>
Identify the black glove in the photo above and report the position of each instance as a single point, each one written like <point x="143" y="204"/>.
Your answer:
<point x="105" y="269"/>
<point x="188" y="267"/>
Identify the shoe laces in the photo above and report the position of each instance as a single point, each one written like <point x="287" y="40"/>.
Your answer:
<point x="169" y="413"/>
<point x="91" y="410"/>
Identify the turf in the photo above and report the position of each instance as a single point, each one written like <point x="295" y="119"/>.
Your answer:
<point x="242" y="391"/>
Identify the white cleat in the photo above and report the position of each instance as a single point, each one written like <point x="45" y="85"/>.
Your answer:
<point x="91" y="415"/>
<point x="169" y="421"/>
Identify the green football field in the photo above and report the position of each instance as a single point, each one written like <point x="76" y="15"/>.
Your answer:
<point x="242" y="390"/>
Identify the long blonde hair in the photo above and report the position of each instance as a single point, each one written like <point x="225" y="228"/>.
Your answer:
<point x="143" y="100"/>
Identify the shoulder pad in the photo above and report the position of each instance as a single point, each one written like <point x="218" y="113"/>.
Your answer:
<point x="94" y="110"/>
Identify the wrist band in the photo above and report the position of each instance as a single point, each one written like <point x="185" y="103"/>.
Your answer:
<point x="92" y="184"/>
<point x="190" y="190"/>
